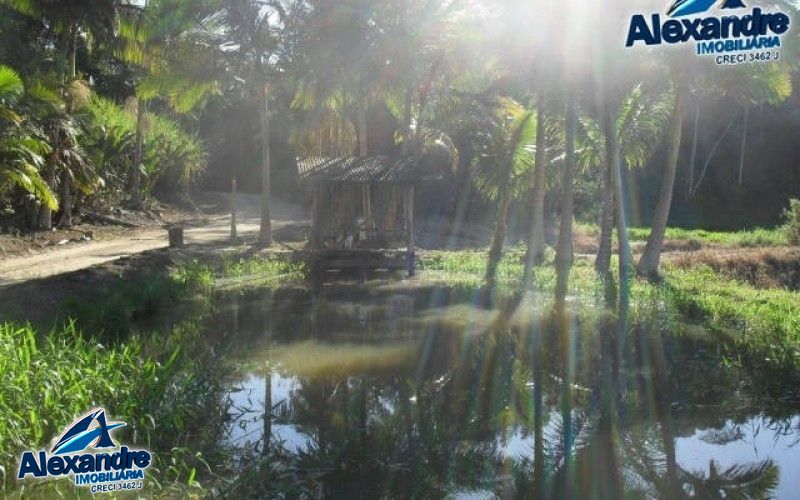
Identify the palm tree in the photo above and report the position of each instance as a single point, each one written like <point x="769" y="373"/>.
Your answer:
<point x="66" y="158"/>
<point x="536" y="236"/>
<point x="768" y="84"/>
<point x="504" y="161"/>
<point x="69" y="20"/>
<point x="163" y="40"/>
<point x="651" y="257"/>
<point x="752" y="88"/>
<point x="254" y="38"/>
<point x="633" y="123"/>
<point x="564" y="249"/>
<point x="23" y="147"/>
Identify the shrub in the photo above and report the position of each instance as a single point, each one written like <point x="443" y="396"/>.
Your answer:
<point x="172" y="158"/>
<point x="793" y="222"/>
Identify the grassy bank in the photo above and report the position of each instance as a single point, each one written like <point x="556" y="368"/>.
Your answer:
<point x="764" y="321"/>
<point x="131" y="350"/>
<point x="759" y="237"/>
<point x="762" y="324"/>
<point x="165" y="386"/>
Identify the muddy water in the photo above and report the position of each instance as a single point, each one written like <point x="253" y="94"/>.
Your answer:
<point x="379" y="391"/>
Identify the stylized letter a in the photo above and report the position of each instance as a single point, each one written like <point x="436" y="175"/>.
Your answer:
<point x="733" y="4"/>
<point x="105" y="438"/>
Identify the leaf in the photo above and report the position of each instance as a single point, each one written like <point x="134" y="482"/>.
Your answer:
<point x="11" y="86"/>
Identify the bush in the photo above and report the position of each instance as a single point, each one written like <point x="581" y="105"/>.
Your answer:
<point x="793" y="222"/>
<point x="172" y="158"/>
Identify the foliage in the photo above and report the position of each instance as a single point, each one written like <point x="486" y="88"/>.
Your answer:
<point x="760" y="323"/>
<point x="235" y="272"/>
<point x="763" y="322"/>
<point x="467" y="268"/>
<point x="23" y="146"/>
<point x="172" y="157"/>
<point x="746" y="238"/>
<point x="793" y="223"/>
<point x="506" y="156"/>
<point x="153" y="382"/>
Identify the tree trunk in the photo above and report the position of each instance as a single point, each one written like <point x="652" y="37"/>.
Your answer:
<point x="603" y="262"/>
<point x="138" y="154"/>
<point x="564" y="250"/>
<point x="649" y="262"/>
<point x="712" y="152"/>
<point x="65" y="222"/>
<point x="693" y="158"/>
<point x="616" y="170"/>
<point x="743" y="151"/>
<point x="539" y="466"/>
<point x="265" y="236"/>
<point x="498" y="239"/>
<point x="73" y="51"/>
<point x="536" y="241"/>
<point x="45" y="214"/>
<point x="233" y="235"/>
<point x="406" y="149"/>
<point x="363" y="145"/>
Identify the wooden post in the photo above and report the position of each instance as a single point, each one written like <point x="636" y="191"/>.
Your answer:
<point x="175" y="237"/>
<point x="411" y="258"/>
<point x="315" y="238"/>
<point x="233" y="209"/>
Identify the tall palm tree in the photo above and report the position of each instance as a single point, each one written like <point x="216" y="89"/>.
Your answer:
<point x="649" y="261"/>
<point x="564" y="249"/>
<point x="255" y="37"/>
<point x="162" y="40"/>
<point x="633" y="122"/>
<point x="536" y="236"/>
<point x="69" y="20"/>
<point x="753" y="88"/>
<point x="504" y="161"/>
<point x="769" y="84"/>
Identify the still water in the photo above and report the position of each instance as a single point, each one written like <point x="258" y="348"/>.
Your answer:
<point x="382" y="391"/>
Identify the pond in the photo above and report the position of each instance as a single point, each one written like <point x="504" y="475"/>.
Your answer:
<point x="391" y="390"/>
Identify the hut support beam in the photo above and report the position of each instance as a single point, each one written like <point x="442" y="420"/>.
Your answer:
<point x="316" y="223"/>
<point x="410" y="243"/>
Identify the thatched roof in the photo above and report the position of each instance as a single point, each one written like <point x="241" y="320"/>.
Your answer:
<point x="366" y="169"/>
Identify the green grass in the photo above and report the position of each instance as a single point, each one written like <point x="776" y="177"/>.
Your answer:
<point x="162" y="385"/>
<point x="164" y="378"/>
<point x="762" y="325"/>
<point x="265" y="267"/>
<point x="751" y="238"/>
<point x="240" y="272"/>
<point x="467" y="268"/>
<point x="120" y="311"/>
<point x="763" y="321"/>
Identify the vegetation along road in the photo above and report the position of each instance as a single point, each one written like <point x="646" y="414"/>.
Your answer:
<point x="212" y="227"/>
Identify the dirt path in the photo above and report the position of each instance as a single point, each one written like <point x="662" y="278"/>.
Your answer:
<point x="213" y="228"/>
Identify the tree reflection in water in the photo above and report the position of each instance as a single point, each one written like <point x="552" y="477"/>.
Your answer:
<point x="440" y="399"/>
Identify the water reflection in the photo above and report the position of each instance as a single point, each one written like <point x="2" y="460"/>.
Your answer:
<point x="391" y="392"/>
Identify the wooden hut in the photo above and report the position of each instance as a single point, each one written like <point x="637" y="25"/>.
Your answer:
<point x="362" y="215"/>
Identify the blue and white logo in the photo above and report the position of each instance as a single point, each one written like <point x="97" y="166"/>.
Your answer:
<point x="81" y="434"/>
<point x="688" y="7"/>
<point x="731" y="36"/>
<point x="85" y="450"/>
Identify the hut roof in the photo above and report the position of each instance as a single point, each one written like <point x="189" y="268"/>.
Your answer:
<point x="363" y="169"/>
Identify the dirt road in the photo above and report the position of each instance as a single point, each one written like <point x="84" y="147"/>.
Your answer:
<point x="213" y="228"/>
